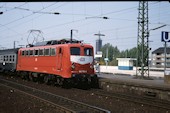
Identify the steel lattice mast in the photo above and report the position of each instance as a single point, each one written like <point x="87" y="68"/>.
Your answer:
<point x="142" y="41"/>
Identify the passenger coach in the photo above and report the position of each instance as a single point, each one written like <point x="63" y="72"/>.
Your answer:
<point x="8" y="60"/>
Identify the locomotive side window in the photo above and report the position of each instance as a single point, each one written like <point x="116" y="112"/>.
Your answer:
<point x="27" y="52"/>
<point x="23" y="53"/>
<point x="75" y="51"/>
<point x="53" y="51"/>
<point x="36" y="52"/>
<point x="31" y="52"/>
<point x="47" y="52"/>
<point x="41" y="52"/>
<point x="88" y="52"/>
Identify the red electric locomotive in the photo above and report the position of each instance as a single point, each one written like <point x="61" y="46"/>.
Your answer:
<point x="61" y="63"/>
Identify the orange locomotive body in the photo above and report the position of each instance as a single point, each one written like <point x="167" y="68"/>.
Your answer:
<point x="61" y="63"/>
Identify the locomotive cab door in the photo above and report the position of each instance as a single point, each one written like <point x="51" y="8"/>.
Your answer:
<point x="18" y="59"/>
<point x="59" y="58"/>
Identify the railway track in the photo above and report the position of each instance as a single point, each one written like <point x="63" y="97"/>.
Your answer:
<point x="65" y="105"/>
<point x="148" y="100"/>
<point x="144" y="100"/>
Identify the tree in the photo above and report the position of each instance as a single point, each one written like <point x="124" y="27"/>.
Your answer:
<point x="114" y="52"/>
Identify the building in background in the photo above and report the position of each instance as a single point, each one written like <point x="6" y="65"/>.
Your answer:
<point x="158" y="58"/>
<point x="98" y="45"/>
<point x="125" y="63"/>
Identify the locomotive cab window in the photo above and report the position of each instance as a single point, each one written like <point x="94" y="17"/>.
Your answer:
<point x="88" y="52"/>
<point x="75" y="51"/>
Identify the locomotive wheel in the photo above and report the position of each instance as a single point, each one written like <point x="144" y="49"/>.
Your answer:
<point x="40" y="78"/>
<point x="67" y="83"/>
<point x="27" y="77"/>
<point x="46" y="80"/>
<point x="22" y="75"/>
<point x="59" y="81"/>
<point x="30" y="78"/>
<point x="86" y="84"/>
<point x="94" y="82"/>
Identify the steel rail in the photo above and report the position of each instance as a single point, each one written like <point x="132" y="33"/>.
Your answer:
<point x="136" y="99"/>
<point x="64" y="103"/>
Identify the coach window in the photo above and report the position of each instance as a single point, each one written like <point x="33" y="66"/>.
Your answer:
<point x="75" y="51"/>
<point x="47" y="52"/>
<point x="35" y="52"/>
<point x="41" y="52"/>
<point x="53" y="52"/>
<point x="10" y="58"/>
<point x="88" y="52"/>
<point x="1" y="58"/>
<point x="4" y="58"/>
<point x="7" y="58"/>
<point x="13" y="57"/>
<point x="31" y="52"/>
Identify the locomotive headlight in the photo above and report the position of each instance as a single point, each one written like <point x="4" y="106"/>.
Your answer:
<point x="73" y="65"/>
<point x="91" y="65"/>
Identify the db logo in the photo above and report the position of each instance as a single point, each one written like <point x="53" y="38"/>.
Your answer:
<point x="82" y="59"/>
<point x="165" y="36"/>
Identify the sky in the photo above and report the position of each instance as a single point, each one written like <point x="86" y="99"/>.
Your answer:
<point x="22" y="21"/>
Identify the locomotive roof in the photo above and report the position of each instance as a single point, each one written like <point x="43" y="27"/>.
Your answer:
<point x="59" y="45"/>
<point x="56" y="42"/>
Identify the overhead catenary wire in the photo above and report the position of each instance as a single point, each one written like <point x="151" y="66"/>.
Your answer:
<point x="105" y="14"/>
<point x="82" y="19"/>
<point x="54" y="3"/>
<point x="27" y="15"/>
<point x="11" y="8"/>
<point x="33" y="18"/>
<point x="67" y="23"/>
